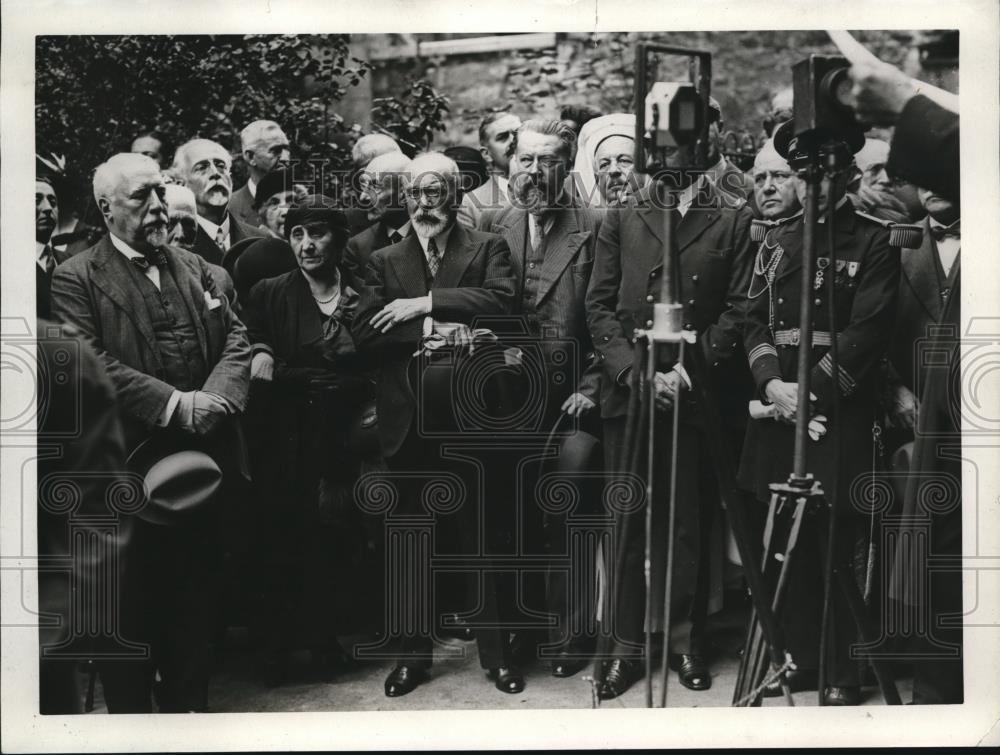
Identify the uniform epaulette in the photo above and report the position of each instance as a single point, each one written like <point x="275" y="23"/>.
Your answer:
<point x="759" y="227"/>
<point x="902" y="235"/>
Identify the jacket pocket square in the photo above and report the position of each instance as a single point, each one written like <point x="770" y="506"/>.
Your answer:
<point x="212" y="303"/>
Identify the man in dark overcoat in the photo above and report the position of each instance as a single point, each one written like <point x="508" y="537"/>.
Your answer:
<point x="713" y="244"/>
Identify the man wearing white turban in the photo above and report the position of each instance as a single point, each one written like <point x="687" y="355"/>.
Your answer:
<point x="602" y="173"/>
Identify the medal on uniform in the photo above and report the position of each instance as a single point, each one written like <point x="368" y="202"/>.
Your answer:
<point x="852" y="269"/>
<point x="821" y="264"/>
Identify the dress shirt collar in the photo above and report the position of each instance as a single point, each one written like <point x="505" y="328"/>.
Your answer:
<point x="124" y="248"/>
<point x="212" y="229"/>
<point x="503" y="183"/>
<point x="441" y="239"/>
<point x="40" y="254"/>
<point x="252" y="187"/>
<point x="403" y="230"/>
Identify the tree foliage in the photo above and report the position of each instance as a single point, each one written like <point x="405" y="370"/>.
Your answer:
<point x="93" y="94"/>
<point x="413" y="118"/>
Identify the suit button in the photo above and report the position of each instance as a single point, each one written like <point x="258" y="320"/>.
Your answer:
<point x="695" y="277"/>
<point x="817" y="301"/>
<point x="531" y="265"/>
<point x="687" y="326"/>
<point x="652" y="274"/>
<point x="650" y="299"/>
<point x="649" y="323"/>
<point x="690" y="302"/>
<point x="781" y="322"/>
<point x="780" y="300"/>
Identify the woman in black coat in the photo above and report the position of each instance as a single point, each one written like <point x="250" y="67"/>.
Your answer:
<point x="313" y="381"/>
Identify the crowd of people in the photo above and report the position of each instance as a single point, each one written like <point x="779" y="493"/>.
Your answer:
<point x="325" y="400"/>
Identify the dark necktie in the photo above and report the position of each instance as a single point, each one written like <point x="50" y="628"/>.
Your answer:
<point x="395" y="237"/>
<point x="155" y="257"/>
<point x="433" y="257"/>
<point x="49" y="258"/>
<point x="939" y="232"/>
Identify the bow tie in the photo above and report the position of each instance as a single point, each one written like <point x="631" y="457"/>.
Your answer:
<point x="156" y="257"/>
<point x="939" y="232"/>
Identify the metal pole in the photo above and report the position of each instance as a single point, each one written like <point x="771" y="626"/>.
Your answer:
<point x="669" y="578"/>
<point x="650" y="467"/>
<point x="805" y="326"/>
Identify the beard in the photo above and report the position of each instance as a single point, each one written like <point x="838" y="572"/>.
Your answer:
<point x="429" y="223"/>
<point x="155" y="234"/>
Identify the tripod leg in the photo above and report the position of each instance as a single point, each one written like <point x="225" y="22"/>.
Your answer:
<point x="650" y="398"/>
<point x="671" y="516"/>
<point x="732" y="502"/>
<point x="885" y="677"/>
<point x="622" y="521"/>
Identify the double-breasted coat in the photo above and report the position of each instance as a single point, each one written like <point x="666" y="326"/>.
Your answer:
<point x="866" y="279"/>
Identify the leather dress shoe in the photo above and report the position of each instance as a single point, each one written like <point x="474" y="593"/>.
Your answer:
<point x="455" y="628"/>
<point x="842" y="696"/>
<point x="619" y="675"/>
<point x="507" y="679"/>
<point x="692" y="671"/>
<point x="799" y="681"/>
<point x="566" y="664"/>
<point x="403" y="680"/>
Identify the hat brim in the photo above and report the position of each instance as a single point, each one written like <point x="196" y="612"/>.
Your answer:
<point x="179" y="482"/>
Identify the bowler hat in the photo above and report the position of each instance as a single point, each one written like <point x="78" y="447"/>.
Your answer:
<point x="179" y="481"/>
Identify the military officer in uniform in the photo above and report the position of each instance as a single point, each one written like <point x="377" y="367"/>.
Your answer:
<point x="715" y="260"/>
<point x="865" y="276"/>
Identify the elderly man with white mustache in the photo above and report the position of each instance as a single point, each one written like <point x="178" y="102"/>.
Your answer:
<point x="204" y="166"/>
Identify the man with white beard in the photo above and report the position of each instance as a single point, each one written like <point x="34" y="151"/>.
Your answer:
<point x="425" y="291"/>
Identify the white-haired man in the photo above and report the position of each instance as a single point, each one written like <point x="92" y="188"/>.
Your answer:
<point x="205" y="167"/>
<point x="179" y="360"/>
<point x="265" y="148"/>
<point x="430" y="287"/>
<point x="382" y="184"/>
<point x="370" y="146"/>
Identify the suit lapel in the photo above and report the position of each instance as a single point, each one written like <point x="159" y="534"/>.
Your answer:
<point x="456" y="258"/>
<point x="204" y="247"/>
<point x="921" y="273"/>
<point x="561" y="246"/>
<point x="111" y="276"/>
<point x="514" y="229"/>
<point x="688" y="228"/>
<point x="408" y="263"/>
<point x="694" y="223"/>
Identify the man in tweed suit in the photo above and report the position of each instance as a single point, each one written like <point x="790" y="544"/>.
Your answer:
<point x="180" y="362"/>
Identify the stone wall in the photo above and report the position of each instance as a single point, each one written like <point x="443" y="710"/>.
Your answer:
<point x="596" y="69"/>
